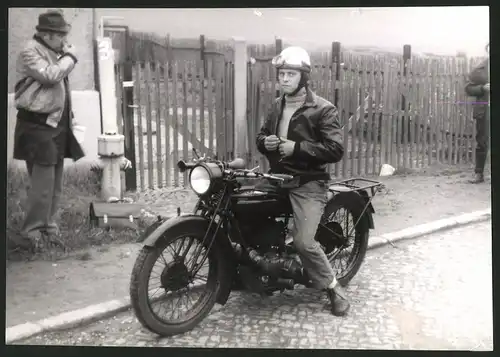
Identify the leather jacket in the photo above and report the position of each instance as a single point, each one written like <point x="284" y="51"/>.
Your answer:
<point x="316" y="131"/>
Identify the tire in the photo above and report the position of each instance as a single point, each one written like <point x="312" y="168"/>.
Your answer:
<point x="140" y="282"/>
<point x="361" y="234"/>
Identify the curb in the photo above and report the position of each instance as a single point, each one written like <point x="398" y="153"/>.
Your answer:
<point x="66" y="320"/>
<point x="96" y="312"/>
<point x="429" y="228"/>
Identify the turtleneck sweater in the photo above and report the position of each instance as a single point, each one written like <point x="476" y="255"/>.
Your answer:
<point x="291" y="106"/>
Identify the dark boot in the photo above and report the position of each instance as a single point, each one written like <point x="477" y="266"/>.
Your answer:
<point x="480" y="163"/>
<point x="339" y="301"/>
<point x="477" y="178"/>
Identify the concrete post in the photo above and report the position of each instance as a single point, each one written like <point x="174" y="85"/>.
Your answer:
<point x="240" y="98"/>
<point x="110" y="143"/>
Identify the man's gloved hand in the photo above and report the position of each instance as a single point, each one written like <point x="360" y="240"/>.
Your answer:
<point x="271" y="142"/>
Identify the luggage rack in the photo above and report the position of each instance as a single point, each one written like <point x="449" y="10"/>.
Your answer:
<point x="360" y="185"/>
<point x="356" y="184"/>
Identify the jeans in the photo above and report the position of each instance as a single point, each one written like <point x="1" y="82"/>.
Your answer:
<point x="308" y="203"/>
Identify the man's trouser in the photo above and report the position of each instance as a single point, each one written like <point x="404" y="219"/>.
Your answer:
<point x="43" y="198"/>
<point x="482" y="143"/>
<point x="308" y="203"/>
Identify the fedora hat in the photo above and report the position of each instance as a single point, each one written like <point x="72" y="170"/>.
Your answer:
<point x="53" y="21"/>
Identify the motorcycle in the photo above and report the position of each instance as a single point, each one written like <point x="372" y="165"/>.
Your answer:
<point x="238" y="238"/>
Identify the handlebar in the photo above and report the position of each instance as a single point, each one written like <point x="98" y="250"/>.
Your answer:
<point x="236" y="167"/>
<point x="183" y="165"/>
<point x="250" y="174"/>
<point x="236" y="164"/>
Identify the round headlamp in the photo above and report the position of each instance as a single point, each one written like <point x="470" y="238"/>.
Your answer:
<point x="201" y="178"/>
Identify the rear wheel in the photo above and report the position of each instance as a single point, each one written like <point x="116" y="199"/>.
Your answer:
<point x="170" y="293"/>
<point x="344" y="245"/>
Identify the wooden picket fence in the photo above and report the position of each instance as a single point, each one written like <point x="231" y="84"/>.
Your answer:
<point x="180" y="101"/>
<point x="405" y="111"/>
<point x="408" y="114"/>
<point x="188" y="110"/>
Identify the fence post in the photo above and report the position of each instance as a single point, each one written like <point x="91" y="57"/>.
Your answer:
<point x="240" y="98"/>
<point x="170" y="54"/>
<point x="202" y="53"/>
<point x="385" y="143"/>
<point x="405" y="123"/>
<point x="279" y="45"/>
<point x="128" y="115"/>
<point x="110" y="144"/>
<point x="336" y="61"/>
<point x="279" y="48"/>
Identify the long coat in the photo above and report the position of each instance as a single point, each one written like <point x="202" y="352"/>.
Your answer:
<point x="35" y="140"/>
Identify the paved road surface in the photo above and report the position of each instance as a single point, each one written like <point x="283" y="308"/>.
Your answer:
<point x="431" y="293"/>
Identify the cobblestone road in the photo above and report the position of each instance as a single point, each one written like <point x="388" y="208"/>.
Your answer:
<point x="430" y="293"/>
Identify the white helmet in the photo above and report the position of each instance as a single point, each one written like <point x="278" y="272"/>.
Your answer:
<point x="293" y="58"/>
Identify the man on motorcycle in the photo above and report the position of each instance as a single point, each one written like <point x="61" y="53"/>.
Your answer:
<point x="300" y="136"/>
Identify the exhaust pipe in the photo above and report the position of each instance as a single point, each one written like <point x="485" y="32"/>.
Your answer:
<point x="288" y="284"/>
<point x="277" y="267"/>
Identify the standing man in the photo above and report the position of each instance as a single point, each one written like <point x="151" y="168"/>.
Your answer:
<point x="478" y="86"/>
<point x="300" y="137"/>
<point x="43" y="135"/>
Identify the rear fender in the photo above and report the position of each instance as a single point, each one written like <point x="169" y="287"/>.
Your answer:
<point x="221" y="242"/>
<point x="369" y="210"/>
<point x="356" y="200"/>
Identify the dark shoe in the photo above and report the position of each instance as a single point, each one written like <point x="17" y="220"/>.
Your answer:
<point x="338" y="299"/>
<point x="478" y="178"/>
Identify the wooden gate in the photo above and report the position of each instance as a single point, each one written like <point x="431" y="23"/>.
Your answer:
<point x="173" y="104"/>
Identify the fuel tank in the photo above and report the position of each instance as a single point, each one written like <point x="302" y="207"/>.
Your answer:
<point x="256" y="202"/>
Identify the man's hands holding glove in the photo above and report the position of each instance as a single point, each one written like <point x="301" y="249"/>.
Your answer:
<point x="285" y="146"/>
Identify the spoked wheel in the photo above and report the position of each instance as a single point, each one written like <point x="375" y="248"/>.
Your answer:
<point x="344" y="246"/>
<point x="171" y="289"/>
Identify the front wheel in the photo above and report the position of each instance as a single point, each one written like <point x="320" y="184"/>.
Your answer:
<point x="344" y="245"/>
<point x="170" y="293"/>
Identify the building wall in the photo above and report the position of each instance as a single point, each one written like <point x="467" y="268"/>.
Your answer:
<point x="86" y="106"/>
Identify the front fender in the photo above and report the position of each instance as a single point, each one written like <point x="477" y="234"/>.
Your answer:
<point x="159" y="231"/>
<point x="228" y="263"/>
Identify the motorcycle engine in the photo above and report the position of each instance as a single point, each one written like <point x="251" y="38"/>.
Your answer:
<point x="263" y="233"/>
